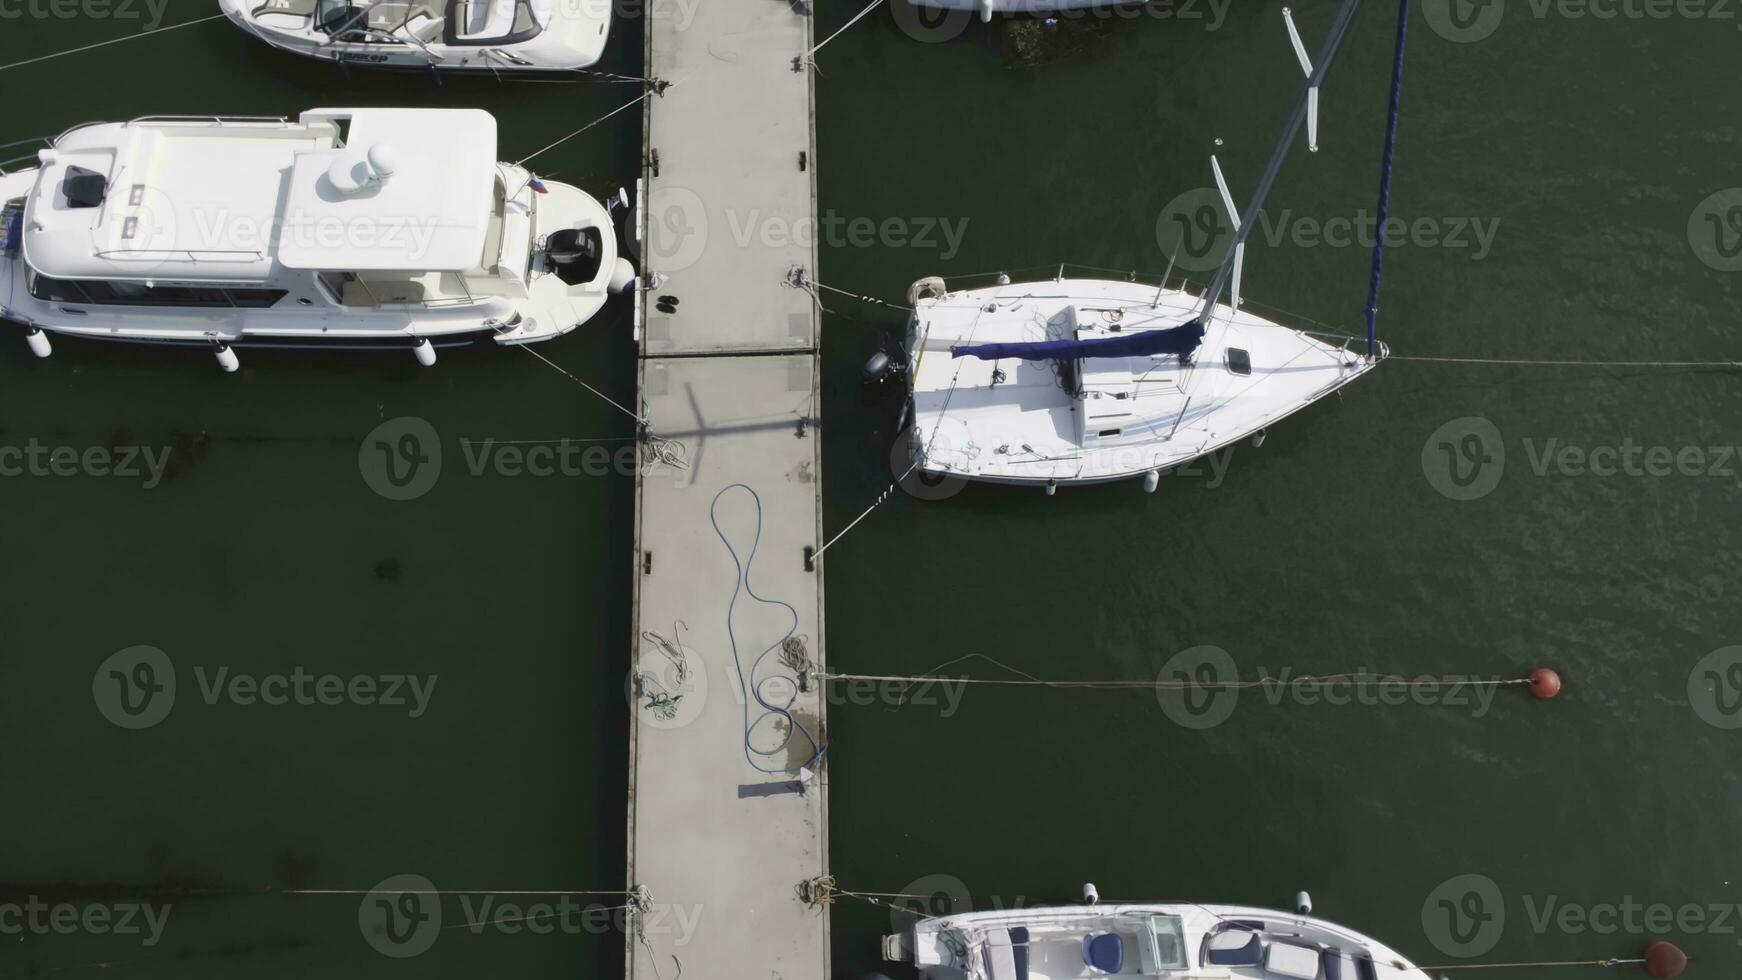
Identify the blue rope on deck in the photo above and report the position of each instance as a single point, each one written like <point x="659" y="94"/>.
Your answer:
<point x="1385" y="181"/>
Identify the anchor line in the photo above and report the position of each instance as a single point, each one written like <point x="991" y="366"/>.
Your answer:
<point x="104" y="44"/>
<point x="1498" y="966"/>
<point x="885" y="495"/>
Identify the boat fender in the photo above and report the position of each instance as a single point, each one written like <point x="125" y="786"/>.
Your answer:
<point x="1303" y="903"/>
<point x="1091" y="895"/>
<point x="425" y="352"/>
<point x="38" y="342"/>
<point x="227" y="358"/>
<point x="622" y="276"/>
<point x="931" y="287"/>
<point x="1151" y="481"/>
<point x="1052" y="487"/>
<point x="1544" y="683"/>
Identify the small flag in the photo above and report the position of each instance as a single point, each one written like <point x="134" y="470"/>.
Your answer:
<point x="538" y="186"/>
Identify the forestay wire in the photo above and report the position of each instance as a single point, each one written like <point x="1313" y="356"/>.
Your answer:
<point x="1385" y="180"/>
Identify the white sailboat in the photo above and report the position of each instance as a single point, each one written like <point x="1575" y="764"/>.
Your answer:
<point x="1170" y="939"/>
<point x="446" y="35"/>
<point x="1078" y="381"/>
<point x="345" y="228"/>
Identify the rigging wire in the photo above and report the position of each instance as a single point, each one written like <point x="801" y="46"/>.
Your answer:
<point x="104" y="44"/>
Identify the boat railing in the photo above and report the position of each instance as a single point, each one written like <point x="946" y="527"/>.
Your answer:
<point x="190" y="254"/>
<point x="40" y="143"/>
<point x="206" y="120"/>
<point x="385" y="36"/>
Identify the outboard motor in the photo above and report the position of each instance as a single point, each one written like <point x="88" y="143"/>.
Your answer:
<point x="575" y="253"/>
<point x="880" y="369"/>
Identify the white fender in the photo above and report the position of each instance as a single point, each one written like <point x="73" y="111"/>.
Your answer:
<point x="425" y="352"/>
<point x="227" y="358"/>
<point x="622" y="276"/>
<point x="38" y="342"/>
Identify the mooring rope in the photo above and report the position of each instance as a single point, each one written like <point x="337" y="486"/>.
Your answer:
<point x="660" y="90"/>
<point x="1029" y="680"/>
<point x="804" y="61"/>
<point x="1545" y="363"/>
<point x="888" y="492"/>
<point x="821" y="891"/>
<point x="1499" y="966"/>
<point x="569" y="375"/>
<point x="104" y="44"/>
<point x="1385" y="179"/>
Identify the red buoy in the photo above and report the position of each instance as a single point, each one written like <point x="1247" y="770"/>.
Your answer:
<point x="1665" y="961"/>
<point x="1545" y="683"/>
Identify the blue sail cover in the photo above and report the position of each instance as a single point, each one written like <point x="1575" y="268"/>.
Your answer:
<point x="1181" y="340"/>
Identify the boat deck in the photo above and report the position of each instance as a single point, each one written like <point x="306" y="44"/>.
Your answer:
<point x="729" y="372"/>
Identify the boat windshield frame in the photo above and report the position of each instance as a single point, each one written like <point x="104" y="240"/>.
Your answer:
<point x="453" y="18"/>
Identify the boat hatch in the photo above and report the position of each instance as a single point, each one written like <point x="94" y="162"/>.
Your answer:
<point x="1239" y="361"/>
<point x="84" y="188"/>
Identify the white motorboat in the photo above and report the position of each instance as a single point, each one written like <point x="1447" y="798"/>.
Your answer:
<point x="345" y="228"/>
<point x="1083" y="942"/>
<point x="449" y="35"/>
<point x="1080" y="381"/>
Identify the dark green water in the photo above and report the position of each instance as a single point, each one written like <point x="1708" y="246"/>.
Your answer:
<point x="1591" y="142"/>
<point x="268" y="552"/>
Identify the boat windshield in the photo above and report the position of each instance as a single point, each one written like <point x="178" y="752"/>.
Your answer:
<point x="478" y="22"/>
<point x="379" y="22"/>
<point x="1165" y="940"/>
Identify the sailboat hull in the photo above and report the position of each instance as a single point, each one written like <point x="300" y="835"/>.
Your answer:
<point x="1098" y="420"/>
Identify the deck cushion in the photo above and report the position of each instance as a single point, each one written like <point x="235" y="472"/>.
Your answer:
<point x="1104" y="951"/>
<point x="1225" y="952"/>
<point x="1292" y="960"/>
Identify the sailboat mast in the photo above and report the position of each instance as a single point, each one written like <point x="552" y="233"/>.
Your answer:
<point x="1322" y="66"/>
<point x="1385" y="181"/>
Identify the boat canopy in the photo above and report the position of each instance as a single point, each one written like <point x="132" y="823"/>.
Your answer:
<point x="1180" y="340"/>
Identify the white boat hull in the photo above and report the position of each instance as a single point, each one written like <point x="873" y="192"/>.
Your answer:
<point x="1016" y="422"/>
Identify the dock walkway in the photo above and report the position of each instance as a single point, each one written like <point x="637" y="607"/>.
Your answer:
<point x="729" y="372"/>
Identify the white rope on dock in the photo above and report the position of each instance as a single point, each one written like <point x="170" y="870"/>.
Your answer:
<point x="104" y="44"/>
<point x="804" y="61"/>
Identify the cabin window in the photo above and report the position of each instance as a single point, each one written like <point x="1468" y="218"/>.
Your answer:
<point x="1239" y="361"/>
<point x="98" y="293"/>
<point x="84" y="188"/>
<point x="1104" y="433"/>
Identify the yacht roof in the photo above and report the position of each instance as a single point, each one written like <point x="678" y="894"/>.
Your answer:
<point x="242" y="200"/>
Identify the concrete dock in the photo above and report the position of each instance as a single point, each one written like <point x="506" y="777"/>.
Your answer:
<point x="729" y="373"/>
